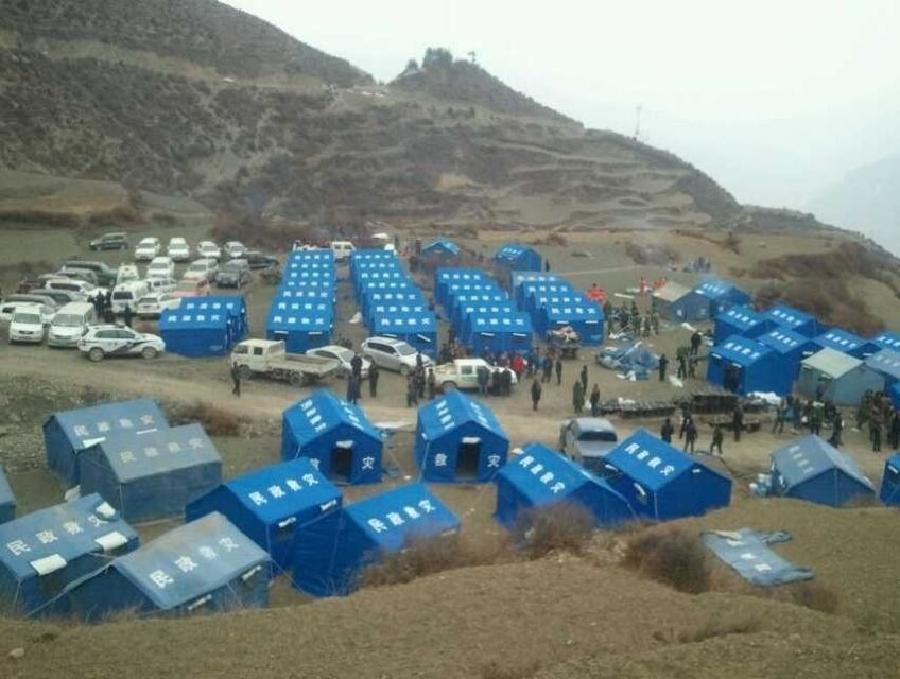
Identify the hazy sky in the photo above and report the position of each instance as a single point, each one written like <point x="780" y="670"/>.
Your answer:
<point x="775" y="100"/>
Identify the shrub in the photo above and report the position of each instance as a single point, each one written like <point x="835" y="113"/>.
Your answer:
<point x="813" y="595"/>
<point x="673" y="557"/>
<point x="215" y="421"/>
<point x="560" y="527"/>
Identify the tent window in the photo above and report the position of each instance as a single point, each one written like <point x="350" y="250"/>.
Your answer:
<point x="468" y="458"/>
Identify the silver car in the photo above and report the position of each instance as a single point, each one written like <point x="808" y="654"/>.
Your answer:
<point x="392" y="354"/>
<point x="586" y="440"/>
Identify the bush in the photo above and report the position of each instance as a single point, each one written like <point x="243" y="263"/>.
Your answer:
<point x="215" y="421"/>
<point x="813" y="595"/>
<point x="560" y="527"/>
<point x="672" y="557"/>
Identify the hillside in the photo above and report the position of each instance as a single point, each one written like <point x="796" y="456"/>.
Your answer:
<point x="197" y="99"/>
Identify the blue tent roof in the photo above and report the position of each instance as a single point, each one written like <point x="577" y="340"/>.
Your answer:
<point x="841" y="340"/>
<point x="514" y="252"/>
<point x="183" y="319"/>
<point x="68" y="541"/>
<point x="806" y="458"/>
<point x="324" y="255"/>
<point x="887" y="340"/>
<point x="741" y="350"/>
<point x="332" y="550"/>
<point x="886" y="361"/>
<point x="405" y="323"/>
<point x="442" y="244"/>
<point x="741" y="318"/>
<point x="321" y="411"/>
<point x="649" y="460"/>
<point x="783" y="341"/>
<point x="304" y="294"/>
<point x="538" y="476"/>
<point x="192" y="330"/>
<point x="7" y="500"/>
<point x="444" y="414"/>
<point x="791" y="318"/>
<point x="503" y="321"/>
<point x="715" y="288"/>
<point x="290" y="316"/>
<point x="233" y="305"/>
<point x="69" y="432"/>
<point x="519" y="278"/>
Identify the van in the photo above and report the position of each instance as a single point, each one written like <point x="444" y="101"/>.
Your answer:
<point x="341" y="250"/>
<point x="161" y="267"/>
<point x="126" y="296"/>
<point x="70" y="323"/>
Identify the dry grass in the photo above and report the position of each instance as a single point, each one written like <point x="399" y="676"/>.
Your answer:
<point x="814" y="595"/>
<point x="829" y="299"/>
<point x="215" y="421"/>
<point x="658" y="254"/>
<point x="673" y="557"/>
<point x="561" y="527"/>
<point x="719" y="627"/>
<point x="494" y="670"/>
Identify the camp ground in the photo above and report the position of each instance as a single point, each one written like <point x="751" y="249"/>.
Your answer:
<point x="811" y="469"/>
<point x="151" y="475"/>
<point x="335" y="435"/>
<point x="67" y="434"/>
<point x="49" y="549"/>
<point x="331" y="551"/>
<point x="662" y="483"/>
<point x="459" y="439"/>
<point x="203" y="566"/>
<point x="267" y="505"/>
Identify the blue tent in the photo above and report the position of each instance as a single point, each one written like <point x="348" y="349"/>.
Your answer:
<point x="810" y="469"/>
<point x="751" y="365"/>
<point x="300" y="325"/>
<point x="454" y="290"/>
<point x="576" y="311"/>
<point x="886" y="362"/>
<point x="7" y="500"/>
<point x="459" y="439"/>
<point x="792" y="348"/>
<point x="739" y="320"/>
<point x="662" y="483"/>
<point x="196" y="334"/>
<point x="847" y="342"/>
<point x="385" y="275"/>
<point x="335" y="435"/>
<point x="376" y="302"/>
<point x="152" y="476"/>
<point x="463" y="310"/>
<point x="674" y="302"/>
<point x="793" y="319"/>
<point x="304" y="294"/>
<point x="462" y="304"/>
<point x="535" y="295"/>
<point x="445" y="276"/>
<point x="722" y="295"/>
<point x="520" y="279"/>
<point x="203" y="566"/>
<point x="417" y="330"/>
<point x="268" y="504"/>
<point x="538" y="476"/>
<point x="361" y="257"/>
<point x="890" y="481"/>
<point x="495" y="332"/>
<point x="48" y="549"/>
<point x="441" y="249"/>
<point x="68" y="433"/>
<point x="331" y="551"/>
<point x="233" y="305"/>
<point x="297" y="283"/>
<point x="378" y="310"/>
<point x="887" y="340"/>
<point x="518" y="257"/>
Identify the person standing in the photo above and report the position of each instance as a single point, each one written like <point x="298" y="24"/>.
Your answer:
<point x="432" y="386"/>
<point x="419" y="377"/>
<point x="654" y="321"/>
<point x="663" y="366"/>
<point x="667" y="430"/>
<point x="356" y="366"/>
<point x="577" y="397"/>
<point x="353" y="388"/>
<point x="894" y="430"/>
<point x="547" y="369"/>
<point x="690" y="436"/>
<point x="535" y="394"/>
<point x="412" y="390"/>
<point x="696" y="341"/>
<point x="875" y="427"/>
<point x="235" y="380"/>
<point x="584" y="378"/>
<point x="682" y="367"/>
<point x="128" y="315"/>
<point x="815" y="418"/>
<point x="373" y="380"/>
<point x="737" y="421"/>
<point x="595" y="401"/>
<point x="837" y="430"/>
<point x="780" y="413"/>
<point x="718" y="438"/>
<point x="558" y="367"/>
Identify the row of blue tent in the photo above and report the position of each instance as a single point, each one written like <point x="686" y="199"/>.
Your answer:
<point x="390" y="301"/>
<point x="204" y="326"/>
<point x="301" y="313"/>
<point x="705" y="301"/>
<point x="554" y="303"/>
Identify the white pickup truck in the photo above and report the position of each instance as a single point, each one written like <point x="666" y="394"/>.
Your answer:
<point x="269" y="358"/>
<point x="462" y="373"/>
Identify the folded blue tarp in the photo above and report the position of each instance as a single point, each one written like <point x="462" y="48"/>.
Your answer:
<point x="747" y="552"/>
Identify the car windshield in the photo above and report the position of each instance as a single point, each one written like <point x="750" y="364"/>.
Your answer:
<point x="123" y="295"/>
<point x="67" y="321"/>
<point x="609" y="436"/>
<point x="27" y="319"/>
<point x="198" y="267"/>
<point x="147" y="300"/>
<point x="404" y="349"/>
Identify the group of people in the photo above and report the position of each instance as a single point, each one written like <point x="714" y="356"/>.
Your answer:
<point x="877" y="411"/>
<point x="103" y="308"/>
<point x="419" y="381"/>
<point x="689" y="433"/>
<point x="632" y="320"/>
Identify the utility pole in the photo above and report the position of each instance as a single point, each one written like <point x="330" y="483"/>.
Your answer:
<point x="637" y="123"/>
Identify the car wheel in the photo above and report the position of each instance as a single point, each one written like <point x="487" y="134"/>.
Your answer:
<point x="296" y="379"/>
<point x="149" y="353"/>
<point x="245" y="372"/>
<point x="96" y="355"/>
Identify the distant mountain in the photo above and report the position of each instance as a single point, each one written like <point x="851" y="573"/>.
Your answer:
<point x="866" y="200"/>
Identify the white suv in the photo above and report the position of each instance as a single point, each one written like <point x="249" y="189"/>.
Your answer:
<point x="161" y="267"/>
<point x="101" y="341"/>
<point x="179" y="250"/>
<point x="235" y="250"/>
<point x="209" y="250"/>
<point x="392" y="354"/>
<point x="146" y="250"/>
<point x="202" y="268"/>
<point x="27" y="325"/>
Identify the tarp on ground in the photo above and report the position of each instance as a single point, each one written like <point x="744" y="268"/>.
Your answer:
<point x="518" y="257"/>
<point x="758" y="367"/>
<point x="498" y="331"/>
<point x="886" y="362"/>
<point x="233" y="305"/>
<point x="7" y="499"/>
<point x="323" y="428"/>
<point x="154" y="475"/>
<point x="722" y="295"/>
<point x="536" y="476"/>
<point x="68" y="433"/>
<point x="46" y="550"/>
<point x="662" y="483"/>
<point x="268" y="504"/>
<point x="739" y="320"/>
<point x="301" y="325"/>
<point x="811" y="469"/>
<point x="417" y="330"/>
<point x="747" y="552"/>
<point x="459" y="439"/>
<point x="793" y="319"/>
<point x="196" y="334"/>
<point x="890" y="481"/>
<point x="441" y="249"/>
<point x="635" y="356"/>
<point x="203" y="566"/>
<point x="331" y="551"/>
<point x="847" y="342"/>
<point x="887" y="340"/>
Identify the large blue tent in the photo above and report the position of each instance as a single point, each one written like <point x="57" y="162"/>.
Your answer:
<point x="887" y="340"/>
<point x="739" y="320"/>
<point x="335" y="435"/>
<point x="887" y="363"/>
<point x="811" y="469"/>
<point x="722" y="295"/>
<point x="463" y="304"/>
<point x="752" y="367"/>
<point x="45" y="551"/>
<point x="419" y="330"/>
<point x="679" y="304"/>
<point x="793" y="319"/>
<point x="233" y="306"/>
<point x="68" y="433"/>
<point x="792" y="348"/>
<point x="662" y="483"/>
<point x="268" y="504"/>
<point x="154" y="475"/>
<point x="890" y="481"/>
<point x="533" y="296"/>
<point x="445" y="276"/>
<point x="498" y="331"/>
<point x="518" y="257"/>
<point x="301" y="325"/>
<point x="575" y="311"/>
<point x="196" y="334"/>
<point x="538" y="476"/>
<point x="459" y="439"/>
<point x="331" y="551"/>
<point x="520" y="279"/>
<point x="203" y="566"/>
<point x="359" y="258"/>
<point x="7" y="499"/>
<point x="441" y="249"/>
<point x="847" y="342"/>
<point x="377" y="302"/>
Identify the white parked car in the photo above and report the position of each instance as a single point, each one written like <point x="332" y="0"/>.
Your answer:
<point x="202" y="268"/>
<point x="462" y="373"/>
<point x="153" y="304"/>
<point x="209" y="250"/>
<point x="161" y="267"/>
<point x="70" y="323"/>
<point x="27" y="325"/>
<point x="147" y="249"/>
<point x="12" y="302"/>
<point x="102" y="341"/>
<point x="127" y="272"/>
<point x="89" y="290"/>
<point x="179" y="250"/>
<point x="235" y="250"/>
<point x="392" y="354"/>
<point x="126" y="296"/>
<point x="161" y="284"/>
<point x="343" y="356"/>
